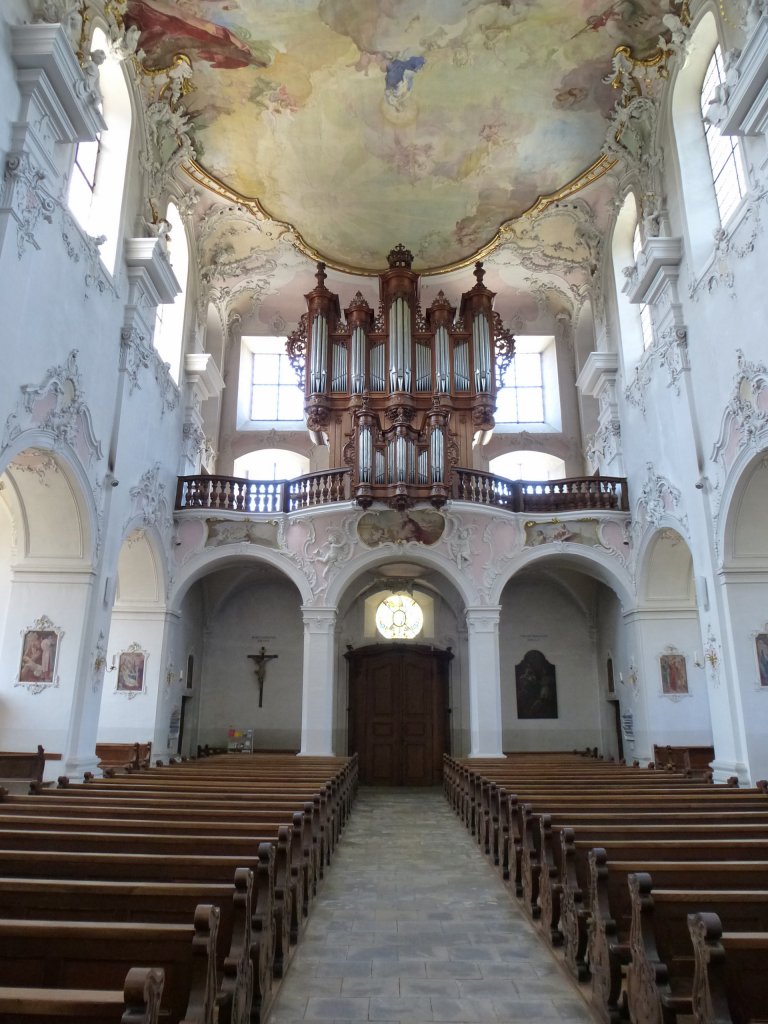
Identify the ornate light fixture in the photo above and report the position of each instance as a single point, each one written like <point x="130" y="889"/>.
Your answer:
<point x="400" y="396"/>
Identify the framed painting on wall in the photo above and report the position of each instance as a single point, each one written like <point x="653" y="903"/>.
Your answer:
<point x="536" y="687"/>
<point x="761" y="650"/>
<point x="131" y="667"/>
<point x="674" y="676"/>
<point x="40" y="653"/>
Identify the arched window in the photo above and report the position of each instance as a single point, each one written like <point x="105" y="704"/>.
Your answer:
<point x="646" y="322"/>
<point x="97" y="180"/>
<point x="704" y="155"/>
<point x="528" y="465"/>
<point x="271" y="464"/>
<point x="724" y="150"/>
<point x="169" y="325"/>
<point x="624" y="255"/>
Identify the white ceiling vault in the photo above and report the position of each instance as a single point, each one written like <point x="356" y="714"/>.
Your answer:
<point x="334" y="129"/>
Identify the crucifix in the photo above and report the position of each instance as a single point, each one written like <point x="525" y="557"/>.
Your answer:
<point x="261" y="660"/>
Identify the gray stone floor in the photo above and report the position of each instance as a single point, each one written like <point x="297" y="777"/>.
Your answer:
<point x="412" y="923"/>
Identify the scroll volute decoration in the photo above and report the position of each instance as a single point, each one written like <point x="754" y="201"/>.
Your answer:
<point x="399" y="396"/>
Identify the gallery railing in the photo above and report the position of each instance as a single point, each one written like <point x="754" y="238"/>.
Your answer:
<point x="232" y="494"/>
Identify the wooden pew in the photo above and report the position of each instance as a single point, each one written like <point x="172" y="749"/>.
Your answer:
<point x="84" y="955"/>
<point x="684" y="758"/>
<point x="120" y="756"/>
<point x="730" y="973"/>
<point x="661" y="969"/>
<point x="169" y="903"/>
<point x="543" y="875"/>
<point x="610" y="910"/>
<point x="198" y="818"/>
<point x="212" y="852"/>
<point x="138" y="1003"/>
<point x="27" y="766"/>
<point x="574" y="904"/>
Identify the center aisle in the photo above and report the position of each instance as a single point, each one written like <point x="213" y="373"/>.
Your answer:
<point x="413" y="924"/>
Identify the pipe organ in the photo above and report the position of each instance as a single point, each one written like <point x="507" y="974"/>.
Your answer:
<point x="401" y="396"/>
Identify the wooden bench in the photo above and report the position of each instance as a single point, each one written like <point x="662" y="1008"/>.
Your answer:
<point x="84" y="955"/>
<point x="219" y="849"/>
<point x="684" y="758"/>
<point x="170" y="903"/>
<point x="114" y="756"/>
<point x="138" y="1003"/>
<point x="610" y="910"/>
<point x="730" y="973"/>
<point x="26" y="766"/>
<point x="661" y="969"/>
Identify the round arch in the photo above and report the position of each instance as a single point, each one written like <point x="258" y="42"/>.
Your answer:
<point x="418" y="554"/>
<point x="237" y="554"/>
<point x="65" y="525"/>
<point x="594" y="562"/>
<point x="741" y="533"/>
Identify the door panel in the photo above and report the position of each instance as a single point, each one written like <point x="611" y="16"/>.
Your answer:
<point x="398" y="699"/>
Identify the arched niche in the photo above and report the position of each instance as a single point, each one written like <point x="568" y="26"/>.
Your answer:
<point x="49" y="510"/>
<point x="227" y="615"/>
<point x="555" y="614"/>
<point x="667" y="573"/>
<point x="745" y="535"/>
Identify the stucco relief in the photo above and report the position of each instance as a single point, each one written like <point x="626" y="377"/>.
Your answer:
<point x="28" y="199"/>
<point x="150" y="505"/>
<point x="659" y="500"/>
<point x="744" y="423"/>
<point x="57" y="407"/>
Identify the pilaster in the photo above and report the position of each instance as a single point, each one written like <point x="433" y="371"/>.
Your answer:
<point x="484" y="682"/>
<point x="318" y="681"/>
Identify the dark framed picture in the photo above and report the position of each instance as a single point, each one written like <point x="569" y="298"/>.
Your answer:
<point x="674" y="676"/>
<point x="761" y="650"/>
<point x="131" y="667"/>
<point x="536" y="687"/>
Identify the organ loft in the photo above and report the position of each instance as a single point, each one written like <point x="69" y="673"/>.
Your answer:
<point x="400" y="395"/>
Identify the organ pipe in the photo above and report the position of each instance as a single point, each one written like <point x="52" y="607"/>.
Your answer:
<point x="481" y="344"/>
<point x="358" y="361"/>
<point x="319" y="350"/>
<point x="398" y="393"/>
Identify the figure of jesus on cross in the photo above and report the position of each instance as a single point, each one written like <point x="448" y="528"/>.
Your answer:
<point x="261" y="660"/>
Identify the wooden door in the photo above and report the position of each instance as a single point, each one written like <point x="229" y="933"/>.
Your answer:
<point x="398" y="708"/>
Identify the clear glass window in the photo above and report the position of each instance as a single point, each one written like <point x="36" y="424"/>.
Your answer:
<point x="724" y="150"/>
<point x="520" y="398"/>
<point x="275" y="394"/>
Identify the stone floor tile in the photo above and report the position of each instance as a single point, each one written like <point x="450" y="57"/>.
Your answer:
<point x="454" y="969"/>
<point x="447" y="987"/>
<point x="352" y="1008"/>
<point x="444" y="1009"/>
<point x="398" y="969"/>
<point x="371" y="986"/>
<point x="403" y="1008"/>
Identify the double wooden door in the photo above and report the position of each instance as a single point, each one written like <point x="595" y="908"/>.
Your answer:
<point x="398" y="711"/>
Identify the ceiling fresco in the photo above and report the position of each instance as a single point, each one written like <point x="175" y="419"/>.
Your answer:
<point x="430" y="122"/>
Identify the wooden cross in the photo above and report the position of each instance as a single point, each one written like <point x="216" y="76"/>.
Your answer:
<point x="261" y="660"/>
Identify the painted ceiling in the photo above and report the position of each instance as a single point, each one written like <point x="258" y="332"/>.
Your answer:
<point x="362" y="123"/>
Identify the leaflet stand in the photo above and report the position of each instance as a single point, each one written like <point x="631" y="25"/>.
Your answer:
<point x="240" y="741"/>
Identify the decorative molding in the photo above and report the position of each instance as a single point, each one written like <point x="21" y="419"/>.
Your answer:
<point x="99" y="662"/>
<point x="745" y="419"/>
<point x="150" y="504"/>
<point x="659" y="499"/>
<point x="26" y="199"/>
<point x="719" y="270"/>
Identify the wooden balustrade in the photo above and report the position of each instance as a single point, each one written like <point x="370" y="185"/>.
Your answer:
<point x="231" y="494"/>
<point x="541" y="496"/>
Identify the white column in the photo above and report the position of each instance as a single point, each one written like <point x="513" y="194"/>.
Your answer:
<point x="318" y="686"/>
<point x="484" y="682"/>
